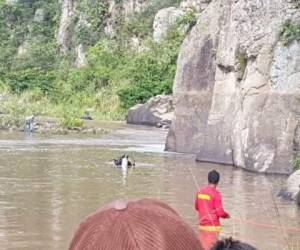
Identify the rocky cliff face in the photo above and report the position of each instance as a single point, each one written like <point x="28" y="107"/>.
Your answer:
<point x="72" y="20"/>
<point x="67" y="24"/>
<point x="237" y="87"/>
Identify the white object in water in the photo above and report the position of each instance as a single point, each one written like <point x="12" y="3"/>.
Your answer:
<point x="124" y="163"/>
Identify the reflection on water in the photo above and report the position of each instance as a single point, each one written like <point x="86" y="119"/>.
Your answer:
<point x="49" y="184"/>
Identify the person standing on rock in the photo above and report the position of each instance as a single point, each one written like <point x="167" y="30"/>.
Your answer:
<point x="208" y="203"/>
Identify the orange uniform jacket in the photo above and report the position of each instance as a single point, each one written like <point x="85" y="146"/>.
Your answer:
<point x="208" y="203"/>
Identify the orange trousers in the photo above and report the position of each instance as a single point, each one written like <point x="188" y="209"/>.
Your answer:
<point x="208" y="239"/>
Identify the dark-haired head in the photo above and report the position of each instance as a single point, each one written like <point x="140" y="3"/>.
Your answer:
<point x="213" y="177"/>
<point x="230" y="244"/>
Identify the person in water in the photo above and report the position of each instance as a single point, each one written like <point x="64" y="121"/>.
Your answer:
<point x="230" y="244"/>
<point x="124" y="158"/>
<point x="145" y="224"/>
<point x="208" y="203"/>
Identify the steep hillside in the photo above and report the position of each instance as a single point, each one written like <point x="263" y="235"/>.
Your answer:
<point x="59" y="58"/>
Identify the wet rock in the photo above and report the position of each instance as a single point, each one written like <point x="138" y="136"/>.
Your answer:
<point x="158" y="111"/>
<point x="291" y="191"/>
<point x="163" y="124"/>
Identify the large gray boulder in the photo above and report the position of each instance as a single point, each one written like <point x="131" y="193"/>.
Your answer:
<point x="291" y="190"/>
<point x="158" y="111"/>
<point x="237" y="87"/>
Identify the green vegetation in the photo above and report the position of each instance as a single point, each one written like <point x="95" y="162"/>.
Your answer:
<point x="290" y="32"/>
<point x="94" y="14"/>
<point x="35" y="78"/>
<point x="296" y="163"/>
<point x="297" y="2"/>
<point x="189" y="19"/>
<point x="241" y="62"/>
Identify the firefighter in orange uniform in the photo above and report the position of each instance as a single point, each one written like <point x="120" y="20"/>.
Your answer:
<point x="208" y="203"/>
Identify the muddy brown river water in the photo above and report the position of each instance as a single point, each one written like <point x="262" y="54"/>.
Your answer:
<point x="48" y="184"/>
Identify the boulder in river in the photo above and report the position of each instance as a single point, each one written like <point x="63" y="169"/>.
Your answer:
<point x="158" y="111"/>
<point x="291" y="191"/>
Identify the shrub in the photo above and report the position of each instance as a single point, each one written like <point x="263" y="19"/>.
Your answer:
<point x="289" y="32"/>
<point x="296" y="163"/>
<point x="71" y="122"/>
<point x="30" y="79"/>
<point x="188" y="19"/>
<point x="152" y="72"/>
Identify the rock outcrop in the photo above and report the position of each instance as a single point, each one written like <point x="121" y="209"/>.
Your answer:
<point x="67" y="24"/>
<point x="291" y="190"/>
<point x="39" y="15"/>
<point x="123" y="8"/>
<point x="11" y="2"/>
<point x="236" y="93"/>
<point x="198" y="5"/>
<point x="131" y="6"/>
<point x="164" y="19"/>
<point x="80" y="56"/>
<point x="158" y="111"/>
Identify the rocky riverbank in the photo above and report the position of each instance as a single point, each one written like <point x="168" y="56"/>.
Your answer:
<point x="291" y="190"/>
<point x="51" y="125"/>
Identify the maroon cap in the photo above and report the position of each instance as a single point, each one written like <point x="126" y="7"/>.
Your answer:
<point x="144" y="224"/>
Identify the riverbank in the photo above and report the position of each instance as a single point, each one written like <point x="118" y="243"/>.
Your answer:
<point x="52" y="125"/>
<point x="15" y="108"/>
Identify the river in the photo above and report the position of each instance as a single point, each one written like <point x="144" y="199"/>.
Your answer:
<point x="48" y="184"/>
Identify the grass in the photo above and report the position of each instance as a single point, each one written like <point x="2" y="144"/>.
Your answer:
<point x="289" y="32"/>
<point x="296" y="163"/>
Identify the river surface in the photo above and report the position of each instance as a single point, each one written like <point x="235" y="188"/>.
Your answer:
<point x="48" y="184"/>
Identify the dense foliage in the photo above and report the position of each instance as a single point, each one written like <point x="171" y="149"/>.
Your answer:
<point x="296" y="163"/>
<point x="290" y="32"/>
<point x="118" y="74"/>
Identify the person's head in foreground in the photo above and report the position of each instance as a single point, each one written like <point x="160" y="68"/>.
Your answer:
<point x="230" y="244"/>
<point x="145" y="224"/>
<point x="213" y="177"/>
